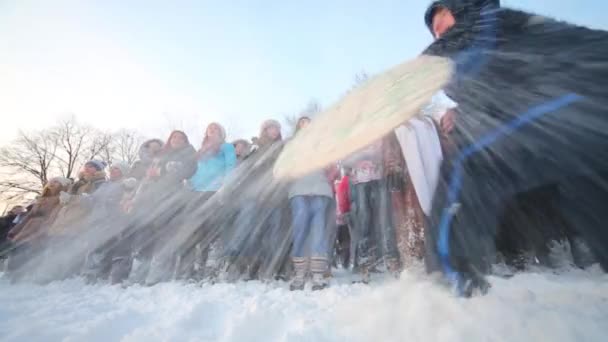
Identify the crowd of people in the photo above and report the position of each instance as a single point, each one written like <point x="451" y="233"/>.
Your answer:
<point x="217" y="213"/>
<point x="492" y="179"/>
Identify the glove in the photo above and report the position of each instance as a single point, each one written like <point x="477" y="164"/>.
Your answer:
<point x="130" y="183"/>
<point x="64" y="197"/>
<point x="173" y="166"/>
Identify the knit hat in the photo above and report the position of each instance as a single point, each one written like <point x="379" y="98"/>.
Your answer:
<point x="97" y="164"/>
<point x="122" y="166"/>
<point x="65" y="182"/>
<point x="270" y="123"/>
<point x="241" y="141"/>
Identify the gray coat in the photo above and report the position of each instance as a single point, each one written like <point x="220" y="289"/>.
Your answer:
<point x="313" y="184"/>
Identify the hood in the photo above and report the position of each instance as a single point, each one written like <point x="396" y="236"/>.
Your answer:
<point x="144" y="152"/>
<point x="466" y="12"/>
<point x="122" y="166"/>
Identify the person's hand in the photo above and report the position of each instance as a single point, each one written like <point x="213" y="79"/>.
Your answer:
<point x="127" y="205"/>
<point x="64" y="197"/>
<point x="130" y="183"/>
<point x="447" y="122"/>
<point x="173" y="166"/>
<point x="153" y="172"/>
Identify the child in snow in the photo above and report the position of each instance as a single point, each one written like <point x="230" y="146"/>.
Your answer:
<point x="309" y="199"/>
<point x="216" y="159"/>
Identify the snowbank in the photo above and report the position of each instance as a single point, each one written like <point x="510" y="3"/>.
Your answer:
<point x="571" y="306"/>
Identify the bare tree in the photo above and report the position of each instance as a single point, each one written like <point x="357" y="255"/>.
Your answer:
<point x="71" y="138"/>
<point x="123" y="146"/>
<point x="312" y="108"/>
<point x="27" y="163"/>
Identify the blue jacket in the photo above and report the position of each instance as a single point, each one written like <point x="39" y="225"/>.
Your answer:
<point x="210" y="172"/>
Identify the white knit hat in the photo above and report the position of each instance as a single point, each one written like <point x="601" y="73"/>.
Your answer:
<point x="65" y="182"/>
<point x="122" y="166"/>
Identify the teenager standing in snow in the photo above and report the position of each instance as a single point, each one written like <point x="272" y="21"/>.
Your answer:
<point x="160" y="199"/>
<point x="216" y="159"/>
<point x="374" y="234"/>
<point x="259" y="241"/>
<point x="309" y="198"/>
<point x="102" y="232"/>
<point x="532" y="111"/>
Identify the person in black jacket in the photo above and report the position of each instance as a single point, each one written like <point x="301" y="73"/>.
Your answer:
<point x="532" y="98"/>
<point x="7" y="222"/>
<point x="159" y="203"/>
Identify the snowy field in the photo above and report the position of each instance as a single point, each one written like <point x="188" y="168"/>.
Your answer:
<point x="536" y="306"/>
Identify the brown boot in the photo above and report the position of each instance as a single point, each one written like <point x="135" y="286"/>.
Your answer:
<point x="300" y="267"/>
<point x="318" y="268"/>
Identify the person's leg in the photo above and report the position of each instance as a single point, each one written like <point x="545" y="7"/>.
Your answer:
<point x="460" y="238"/>
<point x="364" y="252"/>
<point x="300" y="224"/>
<point x="584" y="204"/>
<point x="319" y="263"/>
<point x="383" y="223"/>
<point x="275" y="244"/>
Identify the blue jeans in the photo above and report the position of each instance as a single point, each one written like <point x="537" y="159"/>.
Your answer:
<point x="309" y="215"/>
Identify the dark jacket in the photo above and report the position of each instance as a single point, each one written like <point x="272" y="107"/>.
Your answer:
<point x="509" y="63"/>
<point x="6" y="223"/>
<point x="138" y="170"/>
<point x="38" y="219"/>
<point x="532" y="96"/>
<point x="177" y="166"/>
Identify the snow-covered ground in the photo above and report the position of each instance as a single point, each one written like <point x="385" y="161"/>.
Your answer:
<point x="534" y="306"/>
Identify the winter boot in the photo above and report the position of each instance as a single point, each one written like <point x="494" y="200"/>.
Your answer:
<point x="300" y="266"/>
<point x="393" y="267"/>
<point x="121" y="266"/>
<point x="318" y="268"/>
<point x="139" y="270"/>
<point x="365" y="275"/>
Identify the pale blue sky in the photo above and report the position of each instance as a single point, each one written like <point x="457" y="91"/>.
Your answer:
<point x="156" y="65"/>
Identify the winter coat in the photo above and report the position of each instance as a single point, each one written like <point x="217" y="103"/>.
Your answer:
<point x="254" y="178"/>
<point x="176" y="166"/>
<point x="211" y="171"/>
<point x="138" y="170"/>
<point x="315" y="183"/>
<point x="88" y="185"/>
<point x="532" y="96"/>
<point x="509" y="62"/>
<point x="105" y="202"/>
<point x="71" y="217"/>
<point x="6" y="224"/>
<point x="37" y="221"/>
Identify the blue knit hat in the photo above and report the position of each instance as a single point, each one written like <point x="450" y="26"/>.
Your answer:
<point x="99" y="165"/>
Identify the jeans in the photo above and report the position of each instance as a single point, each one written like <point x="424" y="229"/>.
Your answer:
<point x="309" y="222"/>
<point x="372" y="222"/>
